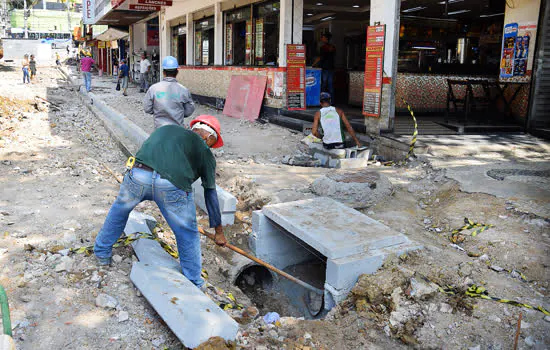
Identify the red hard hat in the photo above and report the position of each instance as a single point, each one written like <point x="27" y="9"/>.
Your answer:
<point x="212" y="122"/>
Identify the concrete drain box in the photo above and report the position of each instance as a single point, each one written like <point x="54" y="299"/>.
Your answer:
<point x="352" y="242"/>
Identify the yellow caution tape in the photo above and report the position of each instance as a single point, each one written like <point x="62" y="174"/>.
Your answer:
<point x="480" y="292"/>
<point x="415" y="133"/>
<point x="469" y="224"/>
<point x="475" y="291"/>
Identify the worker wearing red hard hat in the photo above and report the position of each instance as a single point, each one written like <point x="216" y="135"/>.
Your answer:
<point x="165" y="167"/>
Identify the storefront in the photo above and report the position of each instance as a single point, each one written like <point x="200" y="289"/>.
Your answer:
<point x="427" y="44"/>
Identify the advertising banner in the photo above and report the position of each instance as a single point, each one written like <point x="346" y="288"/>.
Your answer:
<point x="296" y="77"/>
<point x="508" y="50"/>
<point x="88" y="11"/>
<point x="374" y="67"/>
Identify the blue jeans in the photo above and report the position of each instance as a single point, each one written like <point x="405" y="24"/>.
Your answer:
<point x="327" y="77"/>
<point x="177" y="207"/>
<point x="144" y="81"/>
<point x="87" y="80"/>
<point x="26" y="77"/>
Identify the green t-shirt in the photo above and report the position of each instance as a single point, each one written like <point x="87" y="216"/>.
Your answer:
<point x="180" y="156"/>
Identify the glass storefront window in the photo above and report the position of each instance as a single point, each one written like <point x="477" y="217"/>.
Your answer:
<point x="252" y="35"/>
<point x="204" y="41"/>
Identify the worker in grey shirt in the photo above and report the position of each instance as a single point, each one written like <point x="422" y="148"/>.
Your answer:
<point x="169" y="101"/>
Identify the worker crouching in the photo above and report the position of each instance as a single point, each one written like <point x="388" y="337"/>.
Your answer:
<point x="166" y="166"/>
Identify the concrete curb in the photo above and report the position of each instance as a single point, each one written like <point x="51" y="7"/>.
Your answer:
<point x="126" y="149"/>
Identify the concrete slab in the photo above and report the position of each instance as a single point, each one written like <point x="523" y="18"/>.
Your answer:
<point x="270" y="243"/>
<point x="189" y="313"/>
<point x="330" y="227"/>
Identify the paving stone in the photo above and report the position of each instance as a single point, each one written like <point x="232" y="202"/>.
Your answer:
<point x="332" y="228"/>
<point x="189" y="313"/>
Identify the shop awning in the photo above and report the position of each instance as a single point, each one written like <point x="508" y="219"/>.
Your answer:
<point x="111" y="34"/>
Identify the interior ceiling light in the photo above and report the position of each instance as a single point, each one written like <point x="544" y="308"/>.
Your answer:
<point x="492" y="15"/>
<point x="310" y="14"/>
<point x="327" y="18"/>
<point x="424" y="47"/>
<point x="413" y="9"/>
<point x="457" y="12"/>
<point x="319" y="4"/>
<point x="356" y="6"/>
<point x="450" y="2"/>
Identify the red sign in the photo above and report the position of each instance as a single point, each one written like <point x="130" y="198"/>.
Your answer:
<point x="374" y="67"/>
<point x="245" y="96"/>
<point x="155" y="2"/>
<point x="144" y="7"/>
<point x="296" y="77"/>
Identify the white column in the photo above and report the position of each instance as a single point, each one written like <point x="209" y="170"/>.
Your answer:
<point x="164" y="37"/>
<point x="218" y="34"/>
<point x="190" y="44"/>
<point x="290" y="26"/>
<point x="387" y="12"/>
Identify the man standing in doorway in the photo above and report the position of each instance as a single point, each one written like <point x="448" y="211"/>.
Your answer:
<point x="86" y="64"/>
<point x="169" y="101"/>
<point x="144" y="68"/>
<point x="325" y="61"/>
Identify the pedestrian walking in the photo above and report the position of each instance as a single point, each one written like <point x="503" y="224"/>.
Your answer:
<point x="25" y="66"/>
<point x="169" y="101"/>
<point x="86" y="64"/>
<point x="165" y="167"/>
<point x="123" y="76"/>
<point x="32" y="67"/>
<point x="57" y="59"/>
<point x="144" y="68"/>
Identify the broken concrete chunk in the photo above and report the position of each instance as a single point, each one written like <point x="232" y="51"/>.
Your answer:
<point x="420" y="289"/>
<point x="123" y="316"/>
<point x="496" y="268"/>
<point x="106" y="301"/>
<point x="65" y="264"/>
<point x="357" y="189"/>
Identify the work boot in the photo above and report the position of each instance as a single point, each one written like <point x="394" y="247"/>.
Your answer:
<point x="103" y="261"/>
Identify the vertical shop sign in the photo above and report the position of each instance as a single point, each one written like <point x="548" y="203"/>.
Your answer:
<point x="374" y="67"/>
<point x="259" y="50"/>
<point x="229" y="44"/>
<point x="523" y="63"/>
<point x="248" y="49"/>
<point x="508" y="50"/>
<point x="296" y="77"/>
<point x="198" y="51"/>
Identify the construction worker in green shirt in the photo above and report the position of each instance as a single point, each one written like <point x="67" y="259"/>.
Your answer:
<point x="166" y="166"/>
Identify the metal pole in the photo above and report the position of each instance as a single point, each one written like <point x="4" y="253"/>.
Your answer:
<point x="25" y="18"/>
<point x="68" y="18"/>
